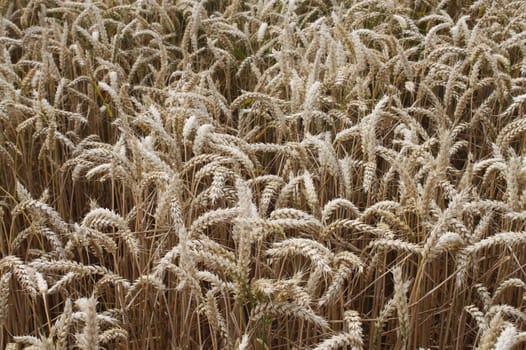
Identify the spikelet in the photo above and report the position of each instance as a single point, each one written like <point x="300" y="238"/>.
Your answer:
<point x="243" y="237"/>
<point x="143" y="282"/>
<point x="211" y="218"/>
<point x="351" y="337"/>
<point x="337" y="203"/>
<point x="42" y="343"/>
<point x="215" y="319"/>
<point x="353" y="325"/>
<point x="111" y="334"/>
<point x="244" y="343"/>
<point x="62" y="325"/>
<point x="503" y="238"/>
<point x="278" y="309"/>
<point x="400" y="300"/>
<point x="318" y="254"/>
<point x="326" y="154"/>
<point x="270" y="191"/>
<point x="200" y="140"/>
<point x="261" y="31"/>
<point x="296" y="219"/>
<point x="5" y="281"/>
<point x="339" y="341"/>
<point x="23" y="273"/>
<point x="347" y="265"/>
<point x="506" y="339"/>
<point x="511" y="282"/>
<point x="388" y="309"/>
<point x="310" y="193"/>
<point x="39" y="209"/>
<point x="448" y="242"/>
<point x="89" y="338"/>
<point x="100" y="218"/>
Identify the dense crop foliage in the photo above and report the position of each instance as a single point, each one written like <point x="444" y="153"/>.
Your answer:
<point x="262" y="174"/>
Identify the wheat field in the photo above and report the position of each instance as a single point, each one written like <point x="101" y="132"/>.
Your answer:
<point x="262" y="174"/>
